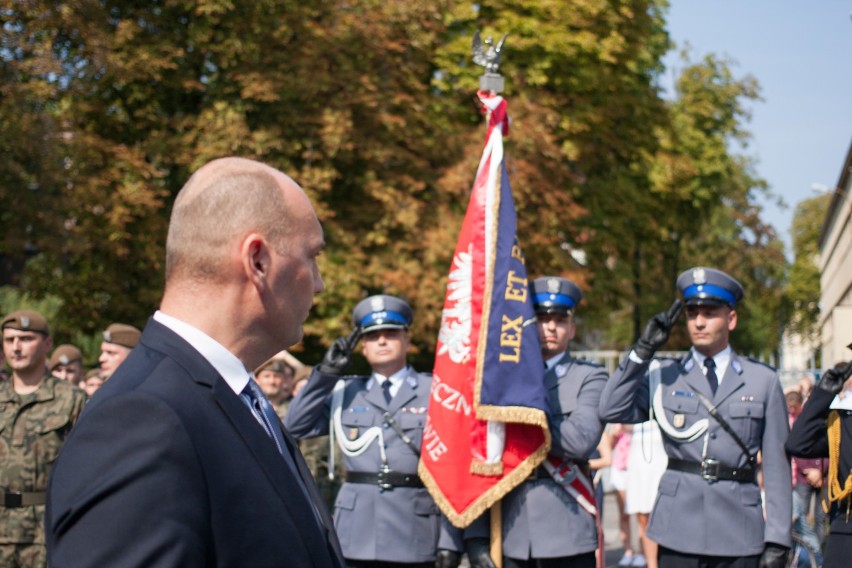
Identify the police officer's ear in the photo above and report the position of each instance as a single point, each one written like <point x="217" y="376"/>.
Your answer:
<point x="732" y="319"/>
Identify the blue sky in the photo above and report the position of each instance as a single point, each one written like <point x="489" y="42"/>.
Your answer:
<point x="801" y="54"/>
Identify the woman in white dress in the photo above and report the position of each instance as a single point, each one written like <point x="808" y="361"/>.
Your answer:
<point x="645" y="467"/>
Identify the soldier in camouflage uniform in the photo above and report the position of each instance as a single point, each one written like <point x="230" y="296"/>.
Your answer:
<point x="275" y="379"/>
<point x="36" y="413"/>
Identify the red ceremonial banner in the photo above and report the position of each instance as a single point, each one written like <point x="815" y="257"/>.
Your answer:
<point x="486" y="428"/>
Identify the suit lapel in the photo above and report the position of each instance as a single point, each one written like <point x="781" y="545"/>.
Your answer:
<point x="695" y="378"/>
<point x="374" y="395"/>
<point x="551" y="379"/>
<point x="310" y="483"/>
<point x="404" y="395"/>
<point x="732" y="380"/>
<point x="273" y="466"/>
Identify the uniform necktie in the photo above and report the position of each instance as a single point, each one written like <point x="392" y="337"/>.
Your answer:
<point x="711" y="374"/>
<point x="386" y="387"/>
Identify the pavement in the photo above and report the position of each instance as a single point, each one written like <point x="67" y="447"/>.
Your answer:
<point x="613" y="550"/>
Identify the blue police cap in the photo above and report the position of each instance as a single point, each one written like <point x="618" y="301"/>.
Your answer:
<point x="382" y="312"/>
<point x="703" y="286"/>
<point x="552" y="294"/>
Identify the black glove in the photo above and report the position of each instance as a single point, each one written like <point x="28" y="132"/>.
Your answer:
<point x="447" y="558"/>
<point x="833" y="379"/>
<point x="657" y="331"/>
<point x="339" y="355"/>
<point x="774" y="556"/>
<point x="478" y="553"/>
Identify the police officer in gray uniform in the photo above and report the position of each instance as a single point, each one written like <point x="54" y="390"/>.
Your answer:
<point x="716" y="411"/>
<point x="383" y="514"/>
<point x="543" y="524"/>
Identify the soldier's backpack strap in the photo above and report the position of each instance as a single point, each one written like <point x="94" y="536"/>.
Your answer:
<point x="752" y="459"/>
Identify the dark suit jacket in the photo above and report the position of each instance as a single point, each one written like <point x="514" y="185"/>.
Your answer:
<point x="168" y="467"/>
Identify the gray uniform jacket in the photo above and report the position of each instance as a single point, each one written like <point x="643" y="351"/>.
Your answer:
<point x="396" y="525"/>
<point x="720" y="518"/>
<point x="540" y="519"/>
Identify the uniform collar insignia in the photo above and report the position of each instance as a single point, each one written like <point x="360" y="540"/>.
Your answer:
<point x="736" y="365"/>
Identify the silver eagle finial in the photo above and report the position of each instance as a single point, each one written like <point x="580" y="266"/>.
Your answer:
<point x="485" y="53"/>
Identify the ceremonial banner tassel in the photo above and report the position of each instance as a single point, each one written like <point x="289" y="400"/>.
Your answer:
<point x="486" y="427"/>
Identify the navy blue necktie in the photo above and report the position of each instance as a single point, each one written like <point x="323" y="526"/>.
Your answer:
<point x="265" y="414"/>
<point x="711" y="374"/>
<point x="386" y="387"/>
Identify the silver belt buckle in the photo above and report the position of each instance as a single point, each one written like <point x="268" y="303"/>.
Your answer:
<point x="710" y="469"/>
<point x="382" y="478"/>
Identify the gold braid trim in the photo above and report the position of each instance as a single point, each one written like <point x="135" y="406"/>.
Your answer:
<point x="834" y="491"/>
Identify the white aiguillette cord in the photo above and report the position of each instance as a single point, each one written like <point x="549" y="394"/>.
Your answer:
<point x="349" y="447"/>
<point x="658" y="412"/>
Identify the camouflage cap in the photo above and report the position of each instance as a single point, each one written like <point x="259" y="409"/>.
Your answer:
<point x="64" y="355"/>
<point x="26" y="320"/>
<point x="122" y="334"/>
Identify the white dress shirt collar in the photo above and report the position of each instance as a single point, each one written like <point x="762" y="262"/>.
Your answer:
<point x="226" y="363"/>
<point x="722" y="359"/>
<point x="395" y="379"/>
<point x="550" y="363"/>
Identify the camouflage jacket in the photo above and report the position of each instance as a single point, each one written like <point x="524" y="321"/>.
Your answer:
<point x="32" y="429"/>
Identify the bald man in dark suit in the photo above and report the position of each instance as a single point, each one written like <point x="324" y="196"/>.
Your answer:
<point x="176" y="460"/>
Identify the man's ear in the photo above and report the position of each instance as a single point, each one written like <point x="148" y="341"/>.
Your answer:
<point x="256" y="260"/>
<point x="732" y="319"/>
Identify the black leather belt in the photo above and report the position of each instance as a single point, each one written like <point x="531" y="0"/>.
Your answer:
<point x="712" y="470"/>
<point x="384" y="479"/>
<point x="17" y="499"/>
<point x="541" y="473"/>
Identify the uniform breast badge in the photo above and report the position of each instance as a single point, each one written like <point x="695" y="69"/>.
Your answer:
<point x="678" y="420"/>
<point x="353" y="434"/>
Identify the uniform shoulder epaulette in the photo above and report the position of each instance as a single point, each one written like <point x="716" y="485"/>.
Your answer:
<point x="761" y="363"/>
<point x="588" y="362"/>
<point x="350" y="378"/>
<point x="668" y="358"/>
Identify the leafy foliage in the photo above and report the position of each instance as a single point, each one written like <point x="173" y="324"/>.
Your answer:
<point x="108" y="107"/>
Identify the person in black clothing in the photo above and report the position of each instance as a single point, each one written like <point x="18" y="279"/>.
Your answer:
<point x="824" y="428"/>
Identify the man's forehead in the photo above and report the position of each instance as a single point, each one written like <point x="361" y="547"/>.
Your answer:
<point x="11" y="332"/>
<point x="708" y="309"/>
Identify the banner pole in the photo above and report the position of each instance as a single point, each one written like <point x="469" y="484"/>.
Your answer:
<point x="497" y="534"/>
